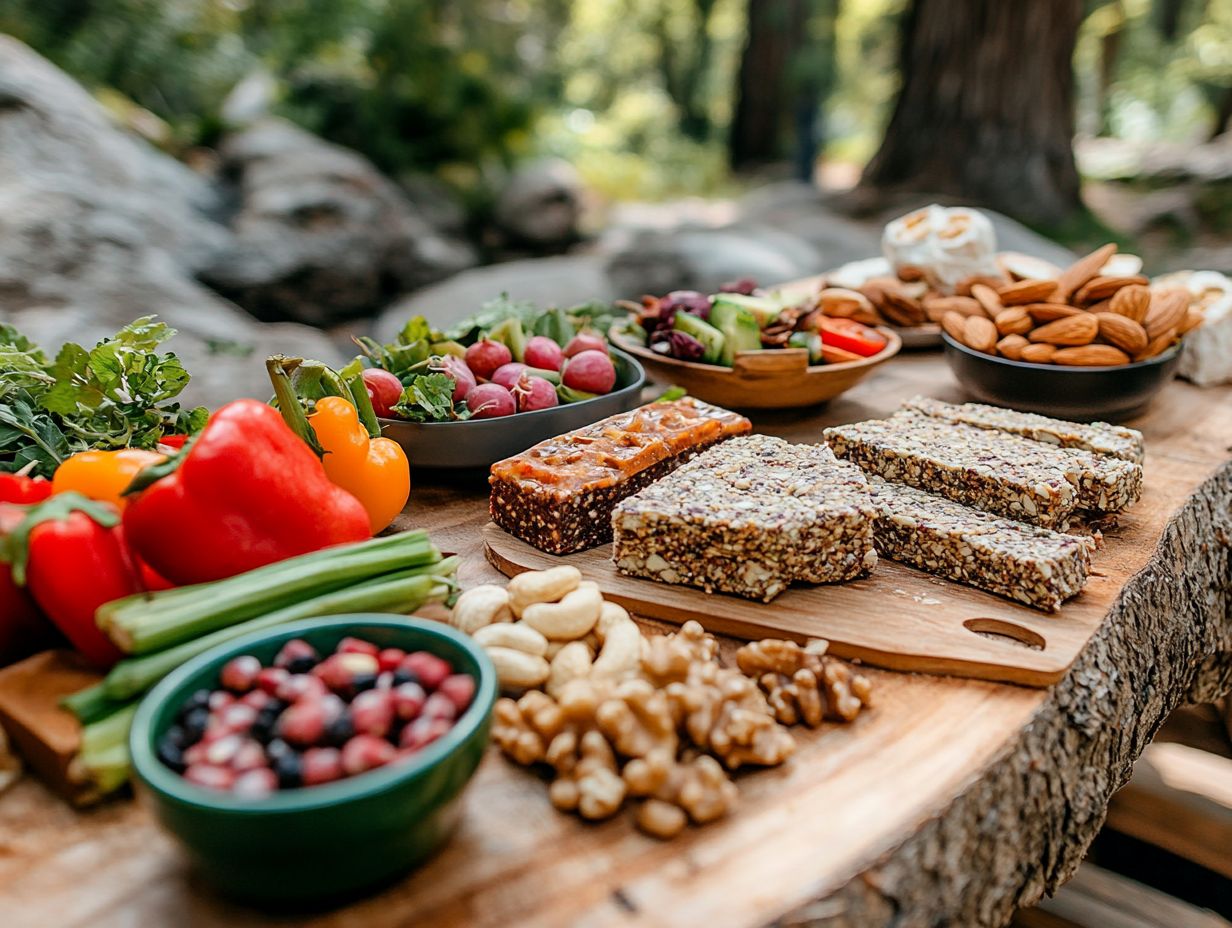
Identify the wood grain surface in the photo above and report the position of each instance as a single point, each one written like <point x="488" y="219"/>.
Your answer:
<point x="950" y="802"/>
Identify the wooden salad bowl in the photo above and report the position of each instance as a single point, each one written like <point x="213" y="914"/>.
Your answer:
<point x="773" y="378"/>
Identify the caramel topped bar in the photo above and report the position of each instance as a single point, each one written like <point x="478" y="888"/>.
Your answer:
<point x="1032" y="565"/>
<point x="994" y="471"/>
<point x="558" y="495"/>
<point x="1096" y="437"/>
<point x="749" y="517"/>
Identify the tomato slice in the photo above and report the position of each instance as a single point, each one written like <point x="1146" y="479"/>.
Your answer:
<point x="851" y="336"/>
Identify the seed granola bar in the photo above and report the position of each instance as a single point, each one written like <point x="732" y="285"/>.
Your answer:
<point x="559" y="495"/>
<point x="748" y="517"/>
<point x="1096" y="437"/>
<point x="995" y="471"/>
<point x="1032" y="565"/>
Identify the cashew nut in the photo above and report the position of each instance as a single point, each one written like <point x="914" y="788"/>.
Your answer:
<point x="480" y="606"/>
<point x="517" y="669"/>
<point x="569" y="619"/>
<point x="542" y="586"/>
<point x="555" y="647"/>
<point x="622" y="649"/>
<point x="572" y="662"/>
<point x="519" y="636"/>
<point x="609" y="614"/>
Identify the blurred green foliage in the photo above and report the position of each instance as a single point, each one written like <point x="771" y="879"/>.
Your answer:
<point x="638" y="94"/>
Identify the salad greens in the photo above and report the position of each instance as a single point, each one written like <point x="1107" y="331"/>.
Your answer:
<point x="114" y="395"/>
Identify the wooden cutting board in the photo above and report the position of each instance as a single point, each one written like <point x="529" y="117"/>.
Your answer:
<point x="898" y="617"/>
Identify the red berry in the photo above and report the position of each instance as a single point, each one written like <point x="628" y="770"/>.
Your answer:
<point x="351" y="645"/>
<point x="248" y="756"/>
<point x="439" y="706"/>
<point x="321" y="765"/>
<point x="428" y="668"/>
<point x="459" y="688"/>
<point x="269" y="679"/>
<point x="372" y="713"/>
<point x="296" y="651"/>
<point x="409" y="699"/>
<point x="300" y="686"/>
<point x="238" y="716"/>
<point x="422" y="732"/>
<point x="255" y="698"/>
<point x="210" y="776"/>
<point x="365" y="752"/>
<point x="303" y="724"/>
<point x="255" y="783"/>
<point x="219" y="699"/>
<point x="339" y="670"/>
<point x="221" y="752"/>
<point x="390" y="658"/>
<point x="240" y="673"/>
<point x="196" y="753"/>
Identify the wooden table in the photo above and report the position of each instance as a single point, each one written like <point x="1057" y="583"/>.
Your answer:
<point x="950" y="803"/>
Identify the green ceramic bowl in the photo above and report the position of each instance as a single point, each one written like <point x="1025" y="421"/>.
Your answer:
<point x="324" y="843"/>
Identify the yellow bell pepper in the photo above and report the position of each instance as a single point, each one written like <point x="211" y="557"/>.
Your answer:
<point x="373" y="470"/>
<point x="102" y="475"/>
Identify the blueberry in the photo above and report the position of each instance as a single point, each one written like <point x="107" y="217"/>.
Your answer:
<point x="301" y="664"/>
<point x="178" y="736"/>
<point x="340" y="730"/>
<point x="363" y="681"/>
<point x="198" y="700"/>
<point x="265" y="723"/>
<point x="405" y="676"/>
<point x="194" y="723"/>
<point x="278" y="748"/>
<point x="171" y="753"/>
<point x="288" y="770"/>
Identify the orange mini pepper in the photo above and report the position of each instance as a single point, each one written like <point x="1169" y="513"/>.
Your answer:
<point x="102" y="475"/>
<point x="373" y="470"/>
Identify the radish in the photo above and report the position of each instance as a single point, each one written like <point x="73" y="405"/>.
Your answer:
<point x="463" y="378"/>
<point x="591" y="371"/>
<point x="384" y="389"/>
<point x="485" y="356"/>
<point x="543" y="353"/>
<point x="489" y="401"/>
<point x="507" y="374"/>
<point x="585" y="341"/>
<point x="534" y="393"/>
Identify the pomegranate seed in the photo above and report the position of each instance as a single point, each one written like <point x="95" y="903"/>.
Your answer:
<point x="238" y="716"/>
<point x="460" y="688"/>
<point x="429" y="668"/>
<point x="372" y="713"/>
<point x="422" y="732"/>
<point x="249" y="756"/>
<point x="299" y="686"/>
<point x="439" y="706"/>
<point x="209" y="776"/>
<point x="271" y="678"/>
<point x="356" y="646"/>
<point x="390" y="658"/>
<point x="240" y="673"/>
<point x="255" y="698"/>
<point x="365" y="752"/>
<point x="221" y="752"/>
<point x="409" y="699"/>
<point x="220" y="699"/>
<point x="297" y="656"/>
<point x="303" y="723"/>
<point x="321" y="765"/>
<point x="255" y="783"/>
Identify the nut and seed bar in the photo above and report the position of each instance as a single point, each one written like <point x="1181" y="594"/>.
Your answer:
<point x="1097" y="437"/>
<point x="1032" y="565"/>
<point x="558" y="495"/>
<point x="995" y="471"/>
<point x="748" y="517"/>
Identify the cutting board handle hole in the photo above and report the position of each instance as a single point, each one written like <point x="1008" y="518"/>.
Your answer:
<point x="1007" y="631"/>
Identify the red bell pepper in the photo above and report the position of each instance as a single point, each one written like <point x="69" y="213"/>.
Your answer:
<point x="18" y="488"/>
<point x="245" y="492"/>
<point x="851" y="336"/>
<point x="67" y="554"/>
<point x="23" y="629"/>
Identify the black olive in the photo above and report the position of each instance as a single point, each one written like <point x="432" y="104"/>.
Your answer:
<point x="363" y="681"/>
<point x="178" y="736"/>
<point x="198" y="700"/>
<point x="301" y="664"/>
<point x="340" y="730"/>
<point x="288" y="769"/>
<point x="194" y="723"/>
<point x="171" y="753"/>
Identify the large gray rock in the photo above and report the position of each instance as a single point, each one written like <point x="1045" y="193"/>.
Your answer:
<point x="97" y="228"/>
<point x="541" y="205"/>
<point x="320" y="236"/>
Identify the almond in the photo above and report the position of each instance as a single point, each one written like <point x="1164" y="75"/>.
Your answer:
<point x="1091" y="356"/>
<point x="938" y="306"/>
<point x="1166" y="311"/>
<point x="1071" y="330"/>
<point x="1012" y="346"/>
<point x="1193" y="319"/>
<point x="1131" y="302"/>
<point x="1040" y="353"/>
<point x="987" y="298"/>
<point x="955" y="325"/>
<point x="1047" y="312"/>
<point x="841" y="303"/>
<point x="979" y="333"/>
<point x="1026" y="291"/>
<point x="1100" y="288"/>
<point x="967" y="285"/>
<point x="1157" y="345"/>
<point x="1083" y="270"/>
<point x="1025" y="267"/>
<point x="1014" y="321"/>
<point x="1121" y="331"/>
<point x="902" y="309"/>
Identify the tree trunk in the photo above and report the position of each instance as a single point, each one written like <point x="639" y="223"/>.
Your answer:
<point x="986" y="110"/>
